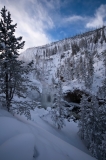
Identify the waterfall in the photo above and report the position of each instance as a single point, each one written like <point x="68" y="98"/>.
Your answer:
<point x="47" y="97"/>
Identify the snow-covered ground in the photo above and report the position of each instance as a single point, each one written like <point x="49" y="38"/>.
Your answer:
<point x="22" y="139"/>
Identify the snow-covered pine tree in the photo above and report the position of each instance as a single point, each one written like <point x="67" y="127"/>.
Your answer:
<point x="88" y="123"/>
<point x="13" y="74"/>
<point x="90" y="69"/>
<point x="102" y="132"/>
<point x="9" y="45"/>
<point x="83" y="117"/>
<point x="92" y="125"/>
<point x="104" y="55"/>
<point x="72" y="69"/>
<point x="102" y="116"/>
<point x="66" y="71"/>
<point x="81" y="68"/>
<point x="84" y="70"/>
<point x="58" y="110"/>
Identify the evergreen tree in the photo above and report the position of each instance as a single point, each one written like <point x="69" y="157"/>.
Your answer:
<point x="9" y="45"/>
<point x="84" y="69"/>
<point x="66" y="46"/>
<point x="66" y="71"/>
<point x="58" y="110"/>
<point x="83" y="117"/>
<point x="13" y="73"/>
<point x="104" y="55"/>
<point x="92" y="125"/>
<point x="81" y="68"/>
<point x="89" y="70"/>
<point x="72" y="70"/>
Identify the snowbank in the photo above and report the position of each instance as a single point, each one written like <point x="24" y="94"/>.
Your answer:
<point x="22" y="139"/>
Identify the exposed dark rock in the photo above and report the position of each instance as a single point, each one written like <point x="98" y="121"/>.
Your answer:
<point x="74" y="96"/>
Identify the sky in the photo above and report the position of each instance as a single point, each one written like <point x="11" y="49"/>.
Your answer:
<point x="40" y="22"/>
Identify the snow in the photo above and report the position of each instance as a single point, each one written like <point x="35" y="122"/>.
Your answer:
<point x="16" y="140"/>
<point x="51" y="62"/>
<point x="38" y="138"/>
<point x="22" y="139"/>
<point x="18" y="147"/>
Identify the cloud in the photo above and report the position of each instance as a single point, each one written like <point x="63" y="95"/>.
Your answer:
<point x="51" y="4"/>
<point x="37" y="18"/>
<point x="73" y="18"/>
<point x="32" y="21"/>
<point x="99" y="18"/>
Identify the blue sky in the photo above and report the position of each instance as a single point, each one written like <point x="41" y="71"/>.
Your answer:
<point x="44" y="21"/>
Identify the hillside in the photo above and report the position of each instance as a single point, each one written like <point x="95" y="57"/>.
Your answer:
<point x="72" y="76"/>
<point x="78" y="61"/>
<point x="62" y="72"/>
<point x="38" y="139"/>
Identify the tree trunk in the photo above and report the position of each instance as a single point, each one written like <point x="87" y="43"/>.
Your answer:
<point x="7" y="93"/>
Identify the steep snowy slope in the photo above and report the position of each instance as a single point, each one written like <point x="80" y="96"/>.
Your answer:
<point x="73" y="57"/>
<point x="26" y="140"/>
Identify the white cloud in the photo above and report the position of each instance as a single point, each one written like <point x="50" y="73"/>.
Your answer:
<point x="73" y="18"/>
<point x="99" y="18"/>
<point x="32" y="21"/>
<point x="51" y="4"/>
<point x="35" y="17"/>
